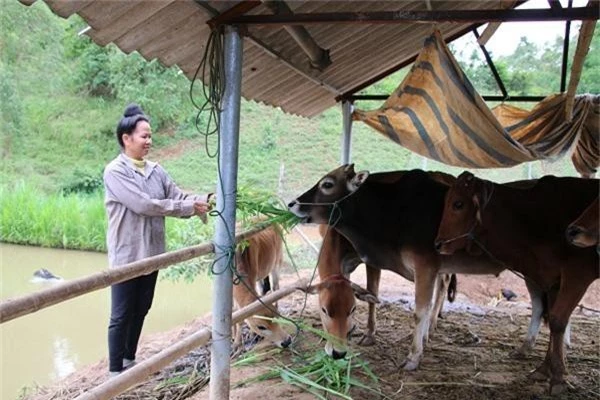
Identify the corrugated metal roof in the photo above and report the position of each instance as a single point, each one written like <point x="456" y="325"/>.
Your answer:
<point x="175" y="32"/>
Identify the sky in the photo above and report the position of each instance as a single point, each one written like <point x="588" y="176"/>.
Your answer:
<point x="507" y="37"/>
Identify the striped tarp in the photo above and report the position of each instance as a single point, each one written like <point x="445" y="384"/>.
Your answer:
<point x="437" y="113"/>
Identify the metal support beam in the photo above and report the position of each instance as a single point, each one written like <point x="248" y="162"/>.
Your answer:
<point x="377" y="97"/>
<point x="492" y="66"/>
<point x="565" y="55"/>
<point x="347" y="134"/>
<point x="272" y="52"/>
<point x="319" y="57"/>
<point x="225" y="226"/>
<point x="237" y="10"/>
<point x="394" y="17"/>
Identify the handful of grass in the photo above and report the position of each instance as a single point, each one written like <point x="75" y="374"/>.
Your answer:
<point x="252" y="203"/>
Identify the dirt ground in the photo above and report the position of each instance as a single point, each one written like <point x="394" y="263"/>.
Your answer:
<point x="468" y="357"/>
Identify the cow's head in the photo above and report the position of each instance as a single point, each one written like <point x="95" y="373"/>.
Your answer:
<point x="461" y="220"/>
<point x="337" y="305"/>
<point x="582" y="237"/>
<point x="584" y="231"/>
<point x="263" y="324"/>
<point x="317" y="203"/>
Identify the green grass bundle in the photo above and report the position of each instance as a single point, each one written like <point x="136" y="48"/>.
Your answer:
<point x="253" y="203"/>
<point x="316" y="372"/>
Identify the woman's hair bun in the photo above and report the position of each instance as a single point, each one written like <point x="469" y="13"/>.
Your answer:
<point x="133" y="109"/>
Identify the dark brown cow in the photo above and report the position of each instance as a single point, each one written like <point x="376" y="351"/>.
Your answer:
<point x="524" y="229"/>
<point x="391" y="219"/>
<point x="583" y="232"/>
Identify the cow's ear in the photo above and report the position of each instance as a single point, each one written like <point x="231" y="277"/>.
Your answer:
<point x="359" y="179"/>
<point x="363" y="294"/>
<point x="349" y="169"/>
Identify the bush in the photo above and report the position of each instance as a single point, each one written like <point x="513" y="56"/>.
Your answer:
<point x="83" y="182"/>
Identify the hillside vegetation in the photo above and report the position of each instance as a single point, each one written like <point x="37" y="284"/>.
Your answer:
<point x="61" y="97"/>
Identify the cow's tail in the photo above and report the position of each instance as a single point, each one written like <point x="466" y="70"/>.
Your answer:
<point x="452" y="288"/>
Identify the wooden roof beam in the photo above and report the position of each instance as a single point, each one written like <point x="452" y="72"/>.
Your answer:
<point x="386" y="17"/>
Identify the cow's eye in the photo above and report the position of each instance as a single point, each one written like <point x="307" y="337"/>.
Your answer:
<point x="262" y="327"/>
<point x="458" y="205"/>
<point x="327" y="185"/>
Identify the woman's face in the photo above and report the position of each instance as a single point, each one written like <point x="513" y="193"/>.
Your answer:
<point x="138" y="143"/>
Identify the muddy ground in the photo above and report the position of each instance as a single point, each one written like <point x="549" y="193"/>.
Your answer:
<point x="468" y="357"/>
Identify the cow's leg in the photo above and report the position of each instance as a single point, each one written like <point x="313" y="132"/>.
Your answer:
<point x="568" y="335"/>
<point x="537" y="311"/>
<point x="571" y="291"/>
<point x="275" y="282"/>
<point x="544" y="371"/>
<point x="439" y="295"/>
<point x="373" y="276"/>
<point x="425" y="278"/>
<point x="572" y="288"/>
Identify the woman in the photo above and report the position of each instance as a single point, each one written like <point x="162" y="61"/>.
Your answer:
<point x="138" y="195"/>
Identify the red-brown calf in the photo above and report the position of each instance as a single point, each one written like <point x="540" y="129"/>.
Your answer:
<point x="260" y="258"/>
<point x="524" y="229"/>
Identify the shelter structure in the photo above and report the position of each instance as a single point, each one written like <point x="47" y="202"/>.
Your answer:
<point x="301" y="56"/>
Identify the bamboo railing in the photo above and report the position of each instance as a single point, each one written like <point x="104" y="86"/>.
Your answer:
<point x="139" y="372"/>
<point x="17" y="307"/>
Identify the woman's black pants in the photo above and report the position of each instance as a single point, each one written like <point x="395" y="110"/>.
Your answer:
<point x="130" y="302"/>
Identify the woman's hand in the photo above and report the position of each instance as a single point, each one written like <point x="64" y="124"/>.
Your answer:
<point x="200" y="209"/>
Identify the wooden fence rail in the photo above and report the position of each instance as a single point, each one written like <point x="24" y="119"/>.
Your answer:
<point x="139" y="372"/>
<point x="17" y="307"/>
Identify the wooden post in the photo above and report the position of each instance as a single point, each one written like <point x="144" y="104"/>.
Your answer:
<point x="586" y="32"/>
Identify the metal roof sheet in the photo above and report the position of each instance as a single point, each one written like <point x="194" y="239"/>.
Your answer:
<point x="275" y="70"/>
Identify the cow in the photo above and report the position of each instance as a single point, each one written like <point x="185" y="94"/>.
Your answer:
<point x="337" y="259"/>
<point x="337" y="293"/>
<point x="391" y="219"/>
<point x="524" y="229"/>
<point x="583" y="232"/>
<point x="260" y="257"/>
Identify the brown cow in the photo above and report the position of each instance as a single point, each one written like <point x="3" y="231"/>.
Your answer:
<point x="337" y="260"/>
<point x="583" y="232"/>
<point x="391" y="219"/>
<point x="261" y="257"/>
<point x="524" y="229"/>
<point x="337" y="293"/>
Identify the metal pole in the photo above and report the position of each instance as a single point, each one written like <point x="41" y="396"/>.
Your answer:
<point x="347" y="134"/>
<point x="225" y="226"/>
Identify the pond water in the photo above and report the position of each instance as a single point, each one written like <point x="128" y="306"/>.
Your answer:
<point x="50" y="344"/>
